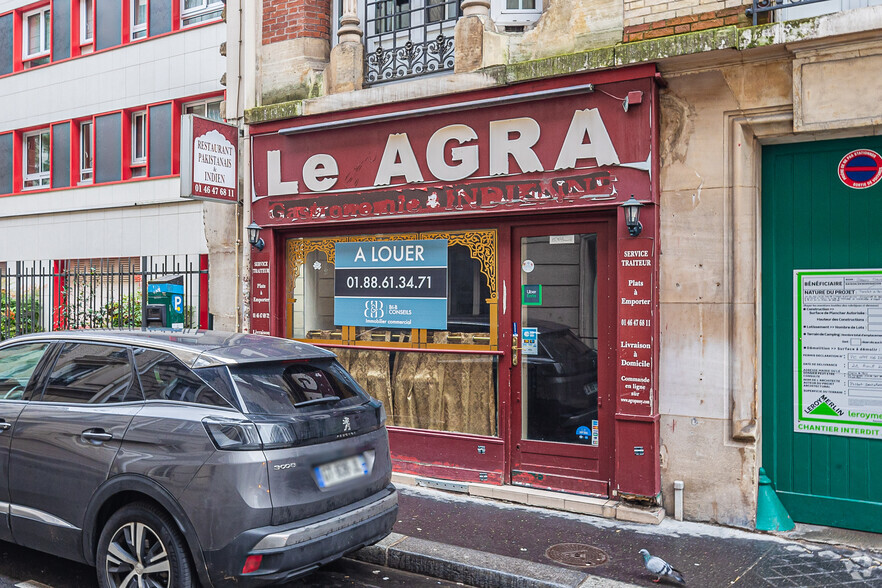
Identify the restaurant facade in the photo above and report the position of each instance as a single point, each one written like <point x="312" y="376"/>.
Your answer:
<point x="637" y="368"/>
<point x="468" y="259"/>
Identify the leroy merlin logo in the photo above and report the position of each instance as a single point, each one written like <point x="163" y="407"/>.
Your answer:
<point x="823" y="406"/>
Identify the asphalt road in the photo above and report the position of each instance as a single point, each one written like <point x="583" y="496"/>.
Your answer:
<point x="26" y="568"/>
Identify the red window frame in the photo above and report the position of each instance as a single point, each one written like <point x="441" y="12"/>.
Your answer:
<point x="79" y="47"/>
<point x="126" y="143"/>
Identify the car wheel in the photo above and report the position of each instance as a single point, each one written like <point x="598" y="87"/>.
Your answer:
<point x="139" y="546"/>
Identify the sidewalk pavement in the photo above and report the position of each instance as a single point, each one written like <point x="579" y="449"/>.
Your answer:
<point x="487" y="543"/>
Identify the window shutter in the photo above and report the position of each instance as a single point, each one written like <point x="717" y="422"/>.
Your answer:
<point x="108" y="23"/>
<point x="6" y="145"/>
<point x="60" y="155"/>
<point x="108" y="148"/>
<point x="160" y="140"/>
<point x="60" y="30"/>
<point x="160" y="17"/>
<point x="6" y="35"/>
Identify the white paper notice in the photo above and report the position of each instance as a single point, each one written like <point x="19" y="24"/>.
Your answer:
<point x="838" y="352"/>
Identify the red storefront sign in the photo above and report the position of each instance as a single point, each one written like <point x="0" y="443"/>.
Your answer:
<point x="532" y="151"/>
<point x="261" y="299"/>
<point x="635" y="300"/>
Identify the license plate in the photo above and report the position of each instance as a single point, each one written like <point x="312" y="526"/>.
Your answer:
<point x="340" y="471"/>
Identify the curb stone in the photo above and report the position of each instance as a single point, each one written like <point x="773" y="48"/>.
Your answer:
<point x="472" y="567"/>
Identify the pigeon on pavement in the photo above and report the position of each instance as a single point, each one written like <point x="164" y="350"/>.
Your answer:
<point x="660" y="567"/>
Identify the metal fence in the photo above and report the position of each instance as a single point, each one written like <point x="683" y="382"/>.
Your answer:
<point x="105" y="293"/>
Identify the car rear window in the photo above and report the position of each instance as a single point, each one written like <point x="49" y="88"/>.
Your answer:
<point x="276" y="388"/>
<point x="566" y="349"/>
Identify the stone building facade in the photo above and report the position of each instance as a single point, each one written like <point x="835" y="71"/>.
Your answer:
<point x="746" y="187"/>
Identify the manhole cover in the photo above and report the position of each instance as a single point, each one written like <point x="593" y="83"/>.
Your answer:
<point x="576" y="554"/>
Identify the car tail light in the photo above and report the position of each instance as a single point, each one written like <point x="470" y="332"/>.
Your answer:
<point x="276" y="435"/>
<point x="232" y="435"/>
<point x="252" y="564"/>
<point x="235" y="435"/>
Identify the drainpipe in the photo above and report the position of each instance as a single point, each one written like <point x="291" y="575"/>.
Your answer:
<point x="678" y="499"/>
<point x="242" y="46"/>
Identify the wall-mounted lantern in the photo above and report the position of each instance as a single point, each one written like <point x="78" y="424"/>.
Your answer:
<point x="632" y="215"/>
<point x="254" y="235"/>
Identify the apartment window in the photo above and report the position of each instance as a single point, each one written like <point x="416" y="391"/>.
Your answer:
<point x="36" y="36"/>
<point x="210" y="108"/>
<point x="36" y="160"/>
<point x="139" y="144"/>
<point x="87" y="22"/>
<point x="196" y="11"/>
<point x="393" y="15"/>
<point x="408" y="38"/>
<point x="515" y="14"/>
<point x="86" y="168"/>
<point x="139" y="19"/>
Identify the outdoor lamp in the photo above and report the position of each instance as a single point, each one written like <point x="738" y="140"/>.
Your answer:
<point x="254" y="235"/>
<point x="632" y="216"/>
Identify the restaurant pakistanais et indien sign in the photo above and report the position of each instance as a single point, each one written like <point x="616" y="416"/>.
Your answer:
<point x="209" y="160"/>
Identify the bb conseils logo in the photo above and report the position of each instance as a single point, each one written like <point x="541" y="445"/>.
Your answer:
<point x="861" y="168"/>
<point x="373" y="309"/>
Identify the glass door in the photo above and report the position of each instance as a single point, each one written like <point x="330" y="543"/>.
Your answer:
<point x="561" y="319"/>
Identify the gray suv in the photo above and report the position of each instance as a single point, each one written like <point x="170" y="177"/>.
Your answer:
<point x="170" y="459"/>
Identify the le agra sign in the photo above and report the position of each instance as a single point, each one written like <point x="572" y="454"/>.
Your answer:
<point x="574" y="150"/>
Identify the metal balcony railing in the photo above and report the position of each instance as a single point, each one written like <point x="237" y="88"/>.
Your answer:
<point x="408" y="38"/>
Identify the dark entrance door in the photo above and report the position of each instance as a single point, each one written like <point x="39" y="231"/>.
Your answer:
<point x="561" y="422"/>
<point x="822" y="341"/>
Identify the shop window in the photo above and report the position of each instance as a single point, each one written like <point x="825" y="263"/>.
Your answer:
<point x="210" y="108"/>
<point x="36" y="159"/>
<point x="36" y="37"/>
<point x="139" y="19"/>
<point x="139" y="144"/>
<point x="86" y="169"/>
<point x="87" y="25"/>
<point x="417" y="373"/>
<point x="196" y="11"/>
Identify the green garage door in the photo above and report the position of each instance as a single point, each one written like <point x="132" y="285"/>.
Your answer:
<point x="822" y="330"/>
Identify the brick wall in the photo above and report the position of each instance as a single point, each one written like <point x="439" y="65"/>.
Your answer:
<point x="648" y="19"/>
<point x="289" y="19"/>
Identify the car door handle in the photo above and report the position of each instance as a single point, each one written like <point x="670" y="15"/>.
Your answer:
<point x="4" y="426"/>
<point x="96" y="435"/>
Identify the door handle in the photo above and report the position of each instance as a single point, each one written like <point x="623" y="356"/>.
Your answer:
<point x="5" y="426"/>
<point x="514" y="350"/>
<point x="96" y="435"/>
